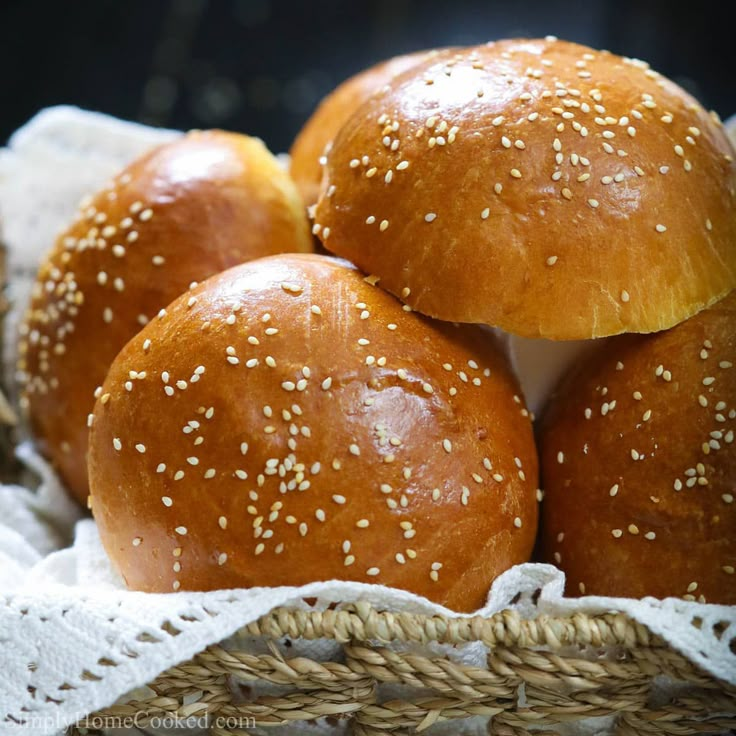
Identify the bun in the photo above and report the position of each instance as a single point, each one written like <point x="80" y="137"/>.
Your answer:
<point x="538" y="186"/>
<point x="639" y="465"/>
<point x="289" y="422"/>
<point x="316" y="136"/>
<point x="181" y="213"/>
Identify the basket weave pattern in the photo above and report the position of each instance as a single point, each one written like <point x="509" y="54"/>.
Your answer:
<point x="539" y="673"/>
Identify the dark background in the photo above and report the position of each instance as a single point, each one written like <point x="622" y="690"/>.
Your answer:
<point x="260" y="66"/>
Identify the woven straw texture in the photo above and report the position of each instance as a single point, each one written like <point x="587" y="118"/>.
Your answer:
<point x="539" y="673"/>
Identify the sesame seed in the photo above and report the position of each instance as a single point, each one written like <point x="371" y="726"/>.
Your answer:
<point x="383" y="225"/>
<point x="516" y="173"/>
<point x="117" y="444"/>
<point x="141" y="448"/>
<point x="430" y="217"/>
<point x="625" y="296"/>
<point x="338" y="499"/>
<point x="616" y="533"/>
<point x="613" y="490"/>
<point x="372" y="571"/>
<point x="517" y="522"/>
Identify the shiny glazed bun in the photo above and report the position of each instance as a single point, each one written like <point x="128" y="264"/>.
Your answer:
<point x="287" y="422"/>
<point x="639" y="465"/>
<point x="539" y="186"/>
<point x="181" y="213"/>
<point x="317" y="134"/>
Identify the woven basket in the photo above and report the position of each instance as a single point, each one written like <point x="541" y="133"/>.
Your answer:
<point x="539" y="673"/>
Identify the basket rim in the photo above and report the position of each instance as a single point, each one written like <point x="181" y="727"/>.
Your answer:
<point x="362" y="621"/>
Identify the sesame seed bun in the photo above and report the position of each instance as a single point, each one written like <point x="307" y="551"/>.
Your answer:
<point x="316" y="136"/>
<point x="181" y="213"/>
<point x="289" y="422"/>
<point x="538" y="186"/>
<point x="639" y="465"/>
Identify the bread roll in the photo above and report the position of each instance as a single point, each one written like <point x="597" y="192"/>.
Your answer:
<point x="539" y="186"/>
<point x="639" y="465"/>
<point x="316" y="136"/>
<point x="287" y="422"/>
<point x="183" y="212"/>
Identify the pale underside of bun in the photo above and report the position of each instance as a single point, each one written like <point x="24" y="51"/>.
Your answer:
<point x="639" y="465"/>
<point x="290" y="422"/>
<point x="179" y="214"/>
<point x="538" y="186"/>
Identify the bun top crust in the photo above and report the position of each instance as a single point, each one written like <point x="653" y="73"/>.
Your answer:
<point x="639" y="464"/>
<point x="289" y="422"/>
<point x="182" y="212"/>
<point x="538" y="186"/>
<point x="315" y="137"/>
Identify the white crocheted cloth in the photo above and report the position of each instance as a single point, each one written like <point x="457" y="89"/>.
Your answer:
<point x="64" y="611"/>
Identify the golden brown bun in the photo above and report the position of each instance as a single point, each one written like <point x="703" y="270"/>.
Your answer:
<point x="317" y="134"/>
<point x="179" y="214"/>
<point x="467" y="219"/>
<point x="353" y="412"/>
<point x="641" y="499"/>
